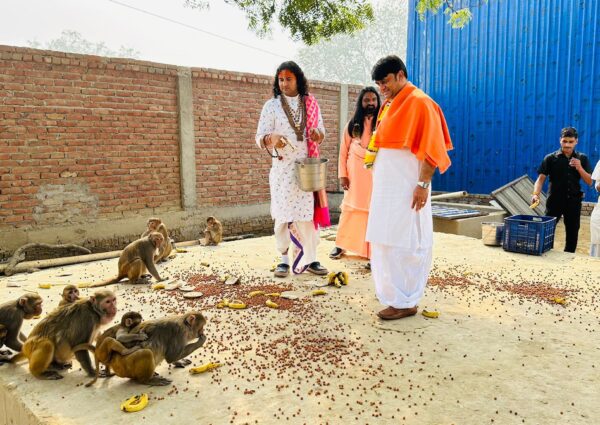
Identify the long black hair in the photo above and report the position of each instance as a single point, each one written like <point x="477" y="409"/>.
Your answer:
<point x="358" y="120"/>
<point x="300" y="78"/>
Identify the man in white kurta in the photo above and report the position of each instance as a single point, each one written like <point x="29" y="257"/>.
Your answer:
<point x="411" y="141"/>
<point x="291" y="208"/>
<point x="595" y="218"/>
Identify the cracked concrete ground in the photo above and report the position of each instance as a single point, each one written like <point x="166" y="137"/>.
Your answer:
<point x="504" y="350"/>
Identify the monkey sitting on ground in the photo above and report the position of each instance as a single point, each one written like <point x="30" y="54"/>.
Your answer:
<point x="136" y="258"/>
<point x="156" y="225"/>
<point x="56" y="337"/>
<point x="69" y="295"/>
<point x="12" y="314"/>
<point x="213" y="234"/>
<point x="168" y="339"/>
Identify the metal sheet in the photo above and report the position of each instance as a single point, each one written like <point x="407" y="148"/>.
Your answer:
<point x="508" y="82"/>
<point x="515" y="197"/>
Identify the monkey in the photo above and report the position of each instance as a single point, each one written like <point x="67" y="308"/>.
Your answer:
<point x="213" y="234"/>
<point x="156" y="225"/>
<point x="135" y="259"/>
<point x="69" y="295"/>
<point x="122" y="331"/>
<point x="168" y="339"/>
<point x="55" y="338"/>
<point x="12" y="314"/>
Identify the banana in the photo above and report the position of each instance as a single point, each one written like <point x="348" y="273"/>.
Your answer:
<point x="558" y="300"/>
<point x="431" y="314"/>
<point x="338" y="279"/>
<point x="221" y="305"/>
<point x="135" y="403"/>
<point x="256" y="293"/>
<point x="205" y="264"/>
<point x="44" y="285"/>
<point x="273" y="267"/>
<point x="181" y="250"/>
<point x="534" y="204"/>
<point x="271" y="304"/>
<point x="273" y="294"/>
<point x="204" y="368"/>
<point x="158" y="286"/>
<point x="319" y="292"/>
<point x="237" y="304"/>
<point x="83" y="285"/>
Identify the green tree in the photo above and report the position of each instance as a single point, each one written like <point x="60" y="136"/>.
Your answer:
<point x="312" y="21"/>
<point x="73" y="42"/>
<point x="349" y="58"/>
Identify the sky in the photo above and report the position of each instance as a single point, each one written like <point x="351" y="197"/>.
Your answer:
<point x="156" y="40"/>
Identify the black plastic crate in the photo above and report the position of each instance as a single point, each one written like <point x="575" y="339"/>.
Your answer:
<point x="528" y="234"/>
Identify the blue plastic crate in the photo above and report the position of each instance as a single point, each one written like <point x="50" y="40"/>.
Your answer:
<point x="528" y="234"/>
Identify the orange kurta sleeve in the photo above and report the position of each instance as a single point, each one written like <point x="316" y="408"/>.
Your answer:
<point x="414" y="121"/>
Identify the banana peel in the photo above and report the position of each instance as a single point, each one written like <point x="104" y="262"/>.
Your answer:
<point x="318" y="292"/>
<point x="256" y="293"/>
<point x="235" y="304"/>
<point x="181" y="250"/>
<point x="431" y="314"/>
<point x="205" y="368"/>
<point x="559" y="300"/>
<point x="135" y="403"/>
<point x="273" y="294"/>
<point x="44" y="285"/>
<point x="158" y="286"/>
<point x="271" y="304"/>
<point x="534" y="204"/>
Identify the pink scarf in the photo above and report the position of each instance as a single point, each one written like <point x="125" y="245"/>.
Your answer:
<point x="321" y="211"/>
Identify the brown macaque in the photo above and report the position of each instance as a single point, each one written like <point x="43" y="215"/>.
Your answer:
<point x="70" y="294"/>
<point x="12" y="314"/>
<point x="156" y="225"/>
<point x="213" y="234"/>
<point x="121" y="334"/>
<point x="3" y="333"/>
<point x="136" y="258"/>
<point x="54" y="340"/>
<point x="168" y="339"/>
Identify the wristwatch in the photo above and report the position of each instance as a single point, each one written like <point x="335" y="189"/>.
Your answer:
<point x="424" y="185"/>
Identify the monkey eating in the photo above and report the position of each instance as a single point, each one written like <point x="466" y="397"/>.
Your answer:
<point x="168" y="339"/>
<point x="54" y="339"/>
<point x="12" y="314"/>
<point x="156" y="225"/>
<point x="213" y="234"/>
<point x="136" y="258"/>
<point x="70" y="294"/>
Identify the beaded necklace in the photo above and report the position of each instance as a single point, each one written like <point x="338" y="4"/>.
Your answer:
<point x="297" y="119"/>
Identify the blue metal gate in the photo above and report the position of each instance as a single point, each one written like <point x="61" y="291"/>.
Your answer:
<point x="508" y="82"/>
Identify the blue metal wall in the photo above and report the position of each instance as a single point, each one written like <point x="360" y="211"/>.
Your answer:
<point x="508" y="82"/>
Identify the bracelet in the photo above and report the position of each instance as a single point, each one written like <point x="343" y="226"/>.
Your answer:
<point x="535" y="194"/>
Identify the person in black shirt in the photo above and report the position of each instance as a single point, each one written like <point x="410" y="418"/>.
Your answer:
<point x="565" y="167"/>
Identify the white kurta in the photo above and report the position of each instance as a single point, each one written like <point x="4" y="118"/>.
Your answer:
<point x="401" y="238"/>
<point x="595" y="218"/>
<point x="288" y="202"/>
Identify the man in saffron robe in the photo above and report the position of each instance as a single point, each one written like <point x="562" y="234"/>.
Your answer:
<point x="355" y="179"/>
<point x="411" y="141"/>
<point x="291" y="128"/>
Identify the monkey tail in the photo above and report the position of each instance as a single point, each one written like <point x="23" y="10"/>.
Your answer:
<point x="84" y="346"/>
<point x="18" y="357"/>
<point x="107" y="282"/>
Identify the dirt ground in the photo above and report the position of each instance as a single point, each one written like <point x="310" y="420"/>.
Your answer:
<point x="516" y="342"/>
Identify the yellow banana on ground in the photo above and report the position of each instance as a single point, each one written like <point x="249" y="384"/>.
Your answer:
<point x="135" y="403"/>
<point x="44" y="285"/>
<point x="158" y="286"/>
<point x="558" y="300"/>
<point x="430" y="314"/>
<point x="273" y="294"/>
<point x="83" y="285"/>
<point x="319" y="292"/>
<point x="204" y="368"/>
<point x="271" y="304"/>
<point x="338" y="279"/>
<point x="237" y="304"/>
<point x="256" y="293"/>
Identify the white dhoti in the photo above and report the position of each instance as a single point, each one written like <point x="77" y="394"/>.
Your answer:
<point x="305" y="233"/>
<point x="401" y="238"/>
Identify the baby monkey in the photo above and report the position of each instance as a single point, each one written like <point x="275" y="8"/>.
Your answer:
<point x="213" y="234"/>
<point x="69" y="295"/>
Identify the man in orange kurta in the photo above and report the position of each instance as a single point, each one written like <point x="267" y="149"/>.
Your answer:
<point x="410" y="142"/>
<point x="355" y="179"/>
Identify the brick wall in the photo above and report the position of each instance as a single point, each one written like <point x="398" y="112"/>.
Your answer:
<point x="86" y="138"/>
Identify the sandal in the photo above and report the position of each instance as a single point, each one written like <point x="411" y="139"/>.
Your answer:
<point x="282" y="270"/>
<point x="316" y="268"/>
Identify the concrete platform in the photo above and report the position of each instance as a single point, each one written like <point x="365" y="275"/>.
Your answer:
<point x="501" y="352"/>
